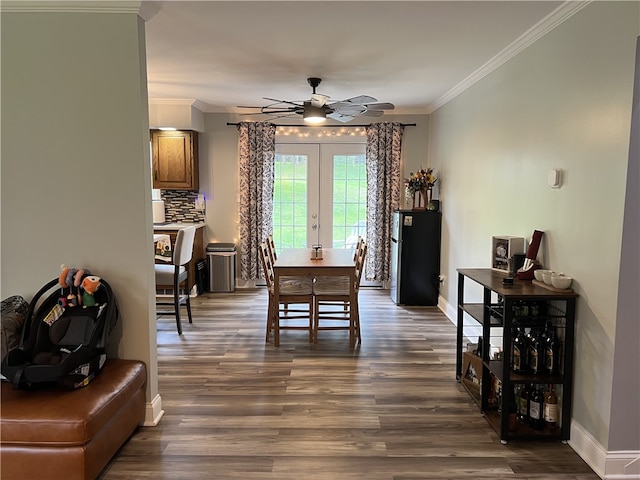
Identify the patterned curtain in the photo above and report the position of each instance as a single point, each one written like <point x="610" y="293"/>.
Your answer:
<point x="256" y="152"/>
<point x="384" y="146"/>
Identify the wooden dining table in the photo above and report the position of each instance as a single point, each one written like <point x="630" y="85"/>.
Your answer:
<point x="335" y="262"/>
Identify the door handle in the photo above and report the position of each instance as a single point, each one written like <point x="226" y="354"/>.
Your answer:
<point x="314" y="226"/>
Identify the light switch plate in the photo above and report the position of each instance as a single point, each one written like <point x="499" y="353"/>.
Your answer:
<point x="554" y="178"/>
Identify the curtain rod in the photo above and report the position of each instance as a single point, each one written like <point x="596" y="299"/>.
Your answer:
<point x="324" y="126"/>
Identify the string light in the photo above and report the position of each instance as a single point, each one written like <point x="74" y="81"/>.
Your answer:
<point x="320" y="132"/>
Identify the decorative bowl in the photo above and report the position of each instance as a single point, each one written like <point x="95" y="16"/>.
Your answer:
<point x="538" y="274"/>
<point x="559" y="280"/>
<point x="546" y="276"/>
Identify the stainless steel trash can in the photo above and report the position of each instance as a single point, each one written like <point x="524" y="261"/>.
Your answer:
<point x="222" y="267"/>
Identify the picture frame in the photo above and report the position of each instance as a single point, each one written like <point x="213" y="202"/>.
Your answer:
<point x="503" y="247"/>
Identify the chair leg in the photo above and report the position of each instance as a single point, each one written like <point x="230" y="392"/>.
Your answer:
<point x="316" y="319"/>
<point x="188" y="301"/>
<point x="176" y="303"/>
<point x="357" y="322"/>
<point x="269" y="320"/>
<point x="311" y="322"/>
<point x="276" y="326"/>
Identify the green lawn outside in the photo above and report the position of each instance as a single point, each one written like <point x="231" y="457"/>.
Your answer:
<point x="290" y="202"/>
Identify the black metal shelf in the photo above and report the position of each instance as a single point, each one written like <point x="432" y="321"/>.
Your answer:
<point x="496" y="368"/>
<point x="525" y="305"/>
<point x="476" y="311"/>
<point x="522" y="431"/>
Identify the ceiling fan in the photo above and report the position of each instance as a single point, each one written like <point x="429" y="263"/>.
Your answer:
<point x="317" y="109"/>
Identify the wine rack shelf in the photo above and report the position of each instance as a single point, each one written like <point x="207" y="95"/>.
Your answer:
<point x="505" y="307"/>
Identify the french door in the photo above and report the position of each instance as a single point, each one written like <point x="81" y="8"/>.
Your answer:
<point x="319" y="195"/>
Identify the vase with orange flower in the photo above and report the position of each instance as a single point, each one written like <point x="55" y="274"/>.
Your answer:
<point x="420" y="185"/>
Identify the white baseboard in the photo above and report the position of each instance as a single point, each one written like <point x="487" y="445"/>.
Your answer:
<point x="153" y="412"/>
<point x="448" y="310"/>
<point x="612" y="465"/>
<point x="608" y="465"/>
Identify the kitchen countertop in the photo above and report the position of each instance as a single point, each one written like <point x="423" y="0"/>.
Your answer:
<point x="176" y="226"/>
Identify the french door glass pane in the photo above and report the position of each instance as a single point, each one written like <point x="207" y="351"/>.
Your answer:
<point x="319" y="195"/>
<point x="349" y="199"/>
<point x="290" y="201"/>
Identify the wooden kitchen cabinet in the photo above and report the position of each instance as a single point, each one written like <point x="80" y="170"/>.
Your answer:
<point x="175" y="159"/>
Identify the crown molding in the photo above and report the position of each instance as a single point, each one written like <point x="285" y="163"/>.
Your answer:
<point x="540" y="29"/>
<point x="181" y="102"/>
<point x="53" y="6"/>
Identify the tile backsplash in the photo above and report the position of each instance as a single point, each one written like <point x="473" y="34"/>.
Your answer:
<point x="180" y="206"/>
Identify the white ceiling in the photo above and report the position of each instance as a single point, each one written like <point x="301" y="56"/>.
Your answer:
<point x="414" y="54"/>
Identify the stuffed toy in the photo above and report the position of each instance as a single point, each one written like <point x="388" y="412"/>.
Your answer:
<point x="90" y="284"/>
<point x="80" y="274"/>
<point x="66" y="273"/>
<point x="66" y="281"/>
<point x="77" y="282"/>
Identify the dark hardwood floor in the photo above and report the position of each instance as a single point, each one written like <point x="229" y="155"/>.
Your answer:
<point x="238" y="408"/>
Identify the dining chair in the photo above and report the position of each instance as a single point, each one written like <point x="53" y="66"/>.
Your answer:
<point x="333" y="303"/>
<point x="292" y="291"/>
<point x="271" y="246"/>
<point x="339" y="283"/>
<point x="175" y="274"/>
<point x="306" y="281"/>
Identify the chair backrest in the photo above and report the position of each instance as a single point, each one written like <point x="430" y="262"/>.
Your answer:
<point x="358" y="247"/>
<point x="361" y="253"/>
<point x="183" y="249"/>
<point x="267" y="264"/>
<point x="271" y="247"/>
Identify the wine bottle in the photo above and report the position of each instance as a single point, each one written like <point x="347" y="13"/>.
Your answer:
<point x="521" y="402"/>
<point x="543" y="337"/>
<point x="550" y="407"/>
<point x="534" y="352"/>
<point x="536" y="420"/>
<point x="519" y="352"/>
<point x="523" y="412"/>
<point x="513" y="410"/>
<point x="551" y="352"/>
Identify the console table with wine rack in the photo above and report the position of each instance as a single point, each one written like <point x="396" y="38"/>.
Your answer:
<point x="504" y="307"/>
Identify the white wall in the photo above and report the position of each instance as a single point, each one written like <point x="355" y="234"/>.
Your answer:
<point x="565" y="102"/>
<point x="625" y="411"/>
<point x="75" y="162"/>
<point x="219" y="167"/>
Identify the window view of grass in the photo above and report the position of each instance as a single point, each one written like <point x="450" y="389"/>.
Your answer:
<point x="290" y="211"/>
<point x="290" y="202"/>
<point x="349" y="199"/>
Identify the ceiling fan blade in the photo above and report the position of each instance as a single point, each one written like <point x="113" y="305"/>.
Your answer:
<point x="380" y="106"/>
<point x="340" y="117"/>
<point x="282" y="101"/>
<point x="361" y="100"/>
<point x="270" y="111"/>
<point x="373" y="113"/>
<point x="284" y="116"/>
<point x="319" y="100"/>
<point x="347" y="108"/>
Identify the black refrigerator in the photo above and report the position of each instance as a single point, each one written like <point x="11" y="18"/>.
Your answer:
<point x="415" y="257"/>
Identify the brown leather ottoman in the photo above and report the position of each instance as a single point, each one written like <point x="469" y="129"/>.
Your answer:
<point x="63" y="434"/>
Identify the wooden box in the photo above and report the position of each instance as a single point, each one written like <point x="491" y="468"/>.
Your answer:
<point x="472" y="371"/>
<point x="502" y="249"/>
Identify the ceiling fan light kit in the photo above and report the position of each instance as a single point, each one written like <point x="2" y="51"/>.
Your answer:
<point x="317" y="109"/>
<point x="313" y="115"/>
